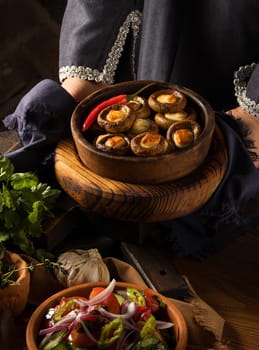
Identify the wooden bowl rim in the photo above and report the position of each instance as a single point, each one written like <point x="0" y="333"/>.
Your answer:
<point x="35" y="320"/>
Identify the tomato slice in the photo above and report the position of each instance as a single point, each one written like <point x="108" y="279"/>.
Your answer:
<point x="111" y="303"/>
<point x="80" y="339"/>
<point x="152" y="300"/>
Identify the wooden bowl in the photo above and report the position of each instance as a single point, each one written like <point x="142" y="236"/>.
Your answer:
<point x="143" y="170"/>
<point x="35" y="322"/>
<point x="141" y="203"/>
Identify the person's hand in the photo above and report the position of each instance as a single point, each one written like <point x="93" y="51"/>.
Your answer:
<point x="239" y="112"/>
<point x="79" y="88"/>
<point x="250" y="127"/>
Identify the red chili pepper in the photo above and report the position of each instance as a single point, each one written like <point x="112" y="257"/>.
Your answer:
<point x="119" y="99"/>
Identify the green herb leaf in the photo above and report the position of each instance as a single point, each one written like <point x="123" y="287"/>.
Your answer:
<point x="23" y="180"/>
<point x="25" y="203"/>
<point x="6" y="168"/>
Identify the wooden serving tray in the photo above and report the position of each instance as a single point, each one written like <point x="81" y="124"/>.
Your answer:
<point x="140" y="203"/>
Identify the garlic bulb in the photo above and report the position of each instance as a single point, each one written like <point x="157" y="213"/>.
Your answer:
<point x="82" y="266"/>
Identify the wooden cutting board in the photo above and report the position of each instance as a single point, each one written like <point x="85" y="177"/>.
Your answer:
<point x="140" y="203"/>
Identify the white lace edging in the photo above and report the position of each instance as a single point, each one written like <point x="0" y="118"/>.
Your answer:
<point x="240" y="84"/>
<point x="133" y="22"/>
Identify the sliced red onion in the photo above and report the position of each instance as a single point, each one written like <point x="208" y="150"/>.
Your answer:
<point x="130" y="325"/>
<point x="163" y="324"/>
<point x="122" y="340"/>
<point x="61" y="324"/>
<point x="89" y="334"/>
<point x="122" y="292"/>
<point x="124" y="306"/>
<point x="53" y="329"/>
<point x="99" y="297"/>
<point x="72" y="325"/>
<point x="130" y="312"/>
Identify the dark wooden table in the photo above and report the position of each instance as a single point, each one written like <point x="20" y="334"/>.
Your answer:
<point x="228" y="281"/>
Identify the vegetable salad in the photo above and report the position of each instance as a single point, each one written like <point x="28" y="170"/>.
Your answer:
<point x="113" y="319"/>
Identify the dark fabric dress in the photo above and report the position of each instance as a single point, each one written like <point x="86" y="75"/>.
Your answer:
<point x="198" y="44"/>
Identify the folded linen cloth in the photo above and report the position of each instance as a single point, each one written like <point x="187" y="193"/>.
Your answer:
<point x="41" y="119"/>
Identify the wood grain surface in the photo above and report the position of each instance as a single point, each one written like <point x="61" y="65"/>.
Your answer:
<point x="229" y="282"/>
<point x="132" y="202"/>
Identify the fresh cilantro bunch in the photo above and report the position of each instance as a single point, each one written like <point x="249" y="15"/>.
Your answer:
<point x="25" y="203"/>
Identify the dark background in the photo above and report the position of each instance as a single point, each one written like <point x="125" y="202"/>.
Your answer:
<point x="29" y="35"/>
<point x="29" y="39"/>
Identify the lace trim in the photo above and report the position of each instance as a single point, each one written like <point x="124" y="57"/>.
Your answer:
<point x="133" y="22"/>
<point x="240" y="83"/>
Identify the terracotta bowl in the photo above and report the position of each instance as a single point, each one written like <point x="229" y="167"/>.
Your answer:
<point x="14" y="297"/>
<point x="142" y="170"/>
<point x="34" y="325"/>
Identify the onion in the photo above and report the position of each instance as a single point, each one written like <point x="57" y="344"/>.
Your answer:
<point x="130" y="312"/>
<point x="61" y="324"/>
<point x="163" y="324"/>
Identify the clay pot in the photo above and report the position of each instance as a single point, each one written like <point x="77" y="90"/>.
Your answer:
<point x="42" y="282"/>
<point x="14" y="297"/>
<point x="143" y="170"/>
<point x="35" y="322"/>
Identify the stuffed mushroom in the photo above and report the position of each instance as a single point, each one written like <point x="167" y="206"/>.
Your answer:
<point x="116" y="118"/>
<point x="141" y="125"/>
<point x="117" y="144"/>
<point x="167" y="101"/>
<point x="149" y="144"/>
<point x="183" y="134"/>
<point x="164" y="120"/>
<point x="140" y="105"/>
